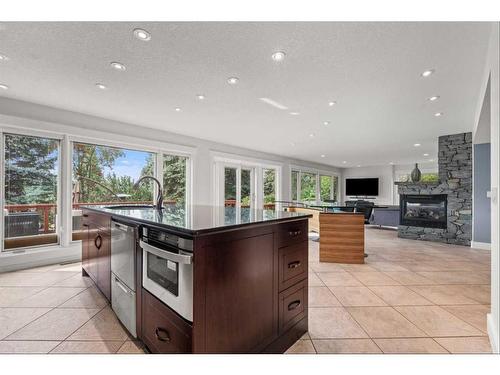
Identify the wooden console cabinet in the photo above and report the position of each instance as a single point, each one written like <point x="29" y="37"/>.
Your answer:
<point x="342" y="237"/>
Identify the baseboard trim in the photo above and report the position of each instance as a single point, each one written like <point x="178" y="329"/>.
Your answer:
<point x="492" y="333"/>
<point x="480" y="245"/>
<point x="40" y="257"/>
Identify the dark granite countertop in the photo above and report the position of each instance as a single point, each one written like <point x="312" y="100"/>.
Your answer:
<point x="199" y="219"/>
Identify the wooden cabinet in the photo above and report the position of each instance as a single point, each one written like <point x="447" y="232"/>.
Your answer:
<point x="241" y="295"/>
<point x="250" y="289"/>
<point x="96" y="249"/>
<point x="162" y="330"/>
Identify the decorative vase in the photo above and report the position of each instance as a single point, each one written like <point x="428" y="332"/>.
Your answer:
<point x="416" y="174"/>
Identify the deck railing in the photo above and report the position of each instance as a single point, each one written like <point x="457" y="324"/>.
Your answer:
<point x="45" y="210"/>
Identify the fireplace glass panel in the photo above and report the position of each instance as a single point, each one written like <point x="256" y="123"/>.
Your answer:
<point x="424" y="210"/>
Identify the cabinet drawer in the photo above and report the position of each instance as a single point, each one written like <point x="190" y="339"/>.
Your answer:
<point x="292" y="305"/>
<point x="162" y="330"/>
<point x="291" y="233"/>
<point x="292" y="264"/>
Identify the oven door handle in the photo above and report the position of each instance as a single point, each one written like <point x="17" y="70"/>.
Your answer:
<point x="178" y="258"/>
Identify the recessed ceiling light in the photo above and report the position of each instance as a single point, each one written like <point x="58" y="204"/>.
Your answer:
<point x="295" y="113"/>
<point x="101" y="86"/>
<point x="118" y="66"/>
<point x="4" y="87"/>
<point x="311" y="135"/>
<point x="344" y="162"/>
<point x="323" y="156"/>
<point x="232" y="80"/>
<point x="278" y="56"/>
<point x="177" y="109"/>
<point x="438" y="114"/>
<point x="326" y="123"/>
<point x="417" y="145"/>
<point x="292" y="144"/>
<point x="200" y="96"/>
<point x="426" y="154"/>
<point x="428" y="72"/>
<point x="3" y="57"/>
<point x="332" y="103"/>
<point x="391" y="163"/>
<point x="433" y="98"/>
<point x="142" y="34"/>
<point x="359" y="166"/>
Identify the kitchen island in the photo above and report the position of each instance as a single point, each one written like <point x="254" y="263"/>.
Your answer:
<point x="247" y="268"/>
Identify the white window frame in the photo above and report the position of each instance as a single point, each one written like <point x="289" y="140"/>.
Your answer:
<point x="318" y="173"/>
<point x="60" y="210"/>
<point x="219" y="160"/>
<point x="64" y="194"/>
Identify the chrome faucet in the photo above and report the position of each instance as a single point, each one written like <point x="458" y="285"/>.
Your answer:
<point x="159" y="199"/>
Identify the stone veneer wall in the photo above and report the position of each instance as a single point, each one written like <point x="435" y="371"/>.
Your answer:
<point x="455" y="180"/>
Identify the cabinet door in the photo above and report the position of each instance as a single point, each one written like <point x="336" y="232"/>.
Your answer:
<point x="92" y="251"/>
<point x="241" y="295"/>
<point x="85" y="246"/>
<point x="103" y="242"/>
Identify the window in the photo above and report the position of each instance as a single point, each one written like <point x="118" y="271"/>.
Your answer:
<point x="31" y="178"/>
<point x="175" y="179"/>
<point x="312" y="187"/>
<point x="106" y="175"/>
<point x="308" y="187"/>
<point x="294" y="185"/>
<point x="326" y="187"/>
<point x="269" y="189"/>
<point x="335" y="188"/>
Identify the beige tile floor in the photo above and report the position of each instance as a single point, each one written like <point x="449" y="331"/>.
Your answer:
<point x="409" y="297"/>
<point x="54" y="309"/>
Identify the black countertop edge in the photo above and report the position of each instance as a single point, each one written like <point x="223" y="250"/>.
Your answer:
<point x="197" y="232"/>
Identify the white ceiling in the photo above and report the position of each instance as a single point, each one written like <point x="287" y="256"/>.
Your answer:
<point x="372" y="70"/>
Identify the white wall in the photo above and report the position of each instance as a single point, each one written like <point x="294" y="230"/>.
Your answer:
<point x="387" y="175"/>
<point x="493" y="63"/>
<point x="386" y="181"/>
<point x="491" y="72"/>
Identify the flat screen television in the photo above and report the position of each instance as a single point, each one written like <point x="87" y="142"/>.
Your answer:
<point x="367" y="187"/>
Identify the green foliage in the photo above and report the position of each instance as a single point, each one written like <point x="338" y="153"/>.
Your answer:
<point x="269" y="186"/>
<point x="174" y="178"/>
<point x="429" y="177"/>
<point x="307" y="187"/>
<point x="31" y="168"/>
<point x="89" y="164"/>
<point x="325" y="183"/>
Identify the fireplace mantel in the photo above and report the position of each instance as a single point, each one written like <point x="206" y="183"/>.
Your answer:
<point x="419" y="183"/>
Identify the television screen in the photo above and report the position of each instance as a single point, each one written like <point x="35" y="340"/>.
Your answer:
<point x="361" y="186"/>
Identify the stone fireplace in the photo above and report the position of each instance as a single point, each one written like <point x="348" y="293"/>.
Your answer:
<point x="441" y="211"/>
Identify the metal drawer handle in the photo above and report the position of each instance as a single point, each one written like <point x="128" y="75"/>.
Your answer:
<point x="119" y="284"/>
<point x="295" y="264"/>
<point x="85" y="225"/>
<point x="162" y="334"/>
<point x="98" y="242"/>
<point x="294" y="233"/>
<point x="293" y="305"/>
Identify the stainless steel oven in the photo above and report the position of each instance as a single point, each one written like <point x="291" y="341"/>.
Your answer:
<point x="168" y="269"/>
